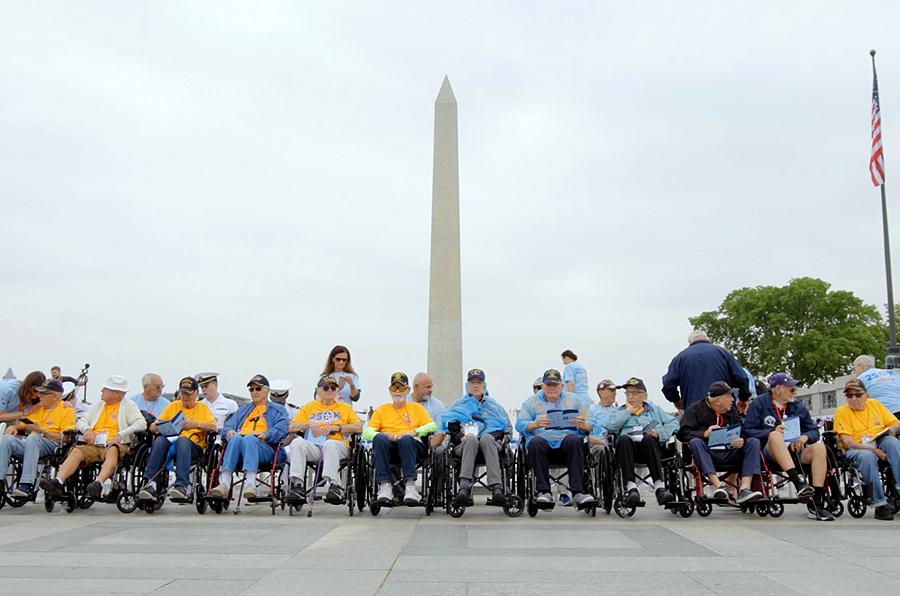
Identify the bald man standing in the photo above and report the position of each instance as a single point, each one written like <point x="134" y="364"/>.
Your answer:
<point x="421" y="394"/>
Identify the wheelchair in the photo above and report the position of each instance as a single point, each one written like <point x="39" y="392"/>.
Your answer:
<point x="274" y="491"/>
<point x="347" y="470"/>
<point x="512" y="504"/>
<point x="857" y="493"/>
<point x="125" y="482"/>
<point x="366" y="488"/>
<point x="612" y="481"/>
<point x="523" y="485"/>
<point x="199" y="469"/>
<point x="47" y="468"/>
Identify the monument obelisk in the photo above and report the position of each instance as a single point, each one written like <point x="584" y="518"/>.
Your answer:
<point x="444" y="295"/>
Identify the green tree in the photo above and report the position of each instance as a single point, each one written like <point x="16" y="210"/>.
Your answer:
<point x="803" y="328"/>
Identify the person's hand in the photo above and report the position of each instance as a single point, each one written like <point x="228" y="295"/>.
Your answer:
<point x="742" y="406"/>
<point x="261" y="435"/>
<point x="799" y="443"/>
<point x="542" y="421"/>
<point x="341" y="382"/>
<point x="652" y="433"/>
<point x="188" y="424"/>
<point x="33" y="428"/>
<point x="115" y="440"/>
<point x="710" y="429"/>
<point x="88" y="436"/>
<point x="230" y="434"/>
<point x="630" y="408"/>
<point x="895" y="429"/>
<point x="679" y="405"/>
<point x="581" y="423"/>
<point x="778" y="429"/>
<point x="11" y="430"/>
<point x="737" y="443"/>
<point x="318" y="430"/>
<point x="391" y="436"/>
<point x="881" y="454"/>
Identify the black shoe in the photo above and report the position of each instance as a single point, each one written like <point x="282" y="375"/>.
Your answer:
<point x="23" y="491"/>
<point x="180" y="492"/>
<point x="497" y="495"/>
<point x="819" y="512"/>
<point x="52" y="487"/>
<point x="462" y="497"/>
<point x="335" y="494"/>
<point x="804" y="491"/>
<point x="297" y="495"/>
<point x="663" y="496"/>
<point x="147" y="493"/>
<point x="93" y="490"/>
<point x="633" y="497"/>
<point x="884" y="512"/>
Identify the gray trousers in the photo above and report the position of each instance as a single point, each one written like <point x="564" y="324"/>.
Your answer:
<point x="468" y="450"/>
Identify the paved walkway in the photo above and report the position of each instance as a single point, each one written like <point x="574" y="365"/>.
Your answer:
<point x="177" y="551"/>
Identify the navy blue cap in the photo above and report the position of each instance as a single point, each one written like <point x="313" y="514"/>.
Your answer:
<point x="259" y="380"/>
<point x="475" y="373"/>
<point x="551" y="377"/>
<point x="782" y="379"/>
<point x="50" y="386"/>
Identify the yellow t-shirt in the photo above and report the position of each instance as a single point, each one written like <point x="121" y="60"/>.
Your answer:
<point x="55" y="420"/>
<point x="108" y="421"/>
<point x="260" y="426"/>
<point x="337" y="413"/>
<point x="199" y="413"/>
<point x="392" y="420"/>
<point x="870" y="421"/>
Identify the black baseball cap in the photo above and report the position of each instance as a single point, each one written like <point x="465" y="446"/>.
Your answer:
<point x="50" y="386"/>
<point x="259" y="380"/>
<point x="719" y="388"/>
<point x="475" y="373"/>
<point x="188" y="385"/>
<point x="399" y="378"/>
<point x="633" y="382"/>
<point x="326" y="380"/>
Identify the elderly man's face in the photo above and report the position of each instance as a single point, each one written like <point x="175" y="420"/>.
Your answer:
<point x="856" y="399"/>
<point x="398" y="394"/>
<point x="153" y="388"/>
<point x="50" y="399"/>
<point x="552" y="391"/>
<point x="476" y="388"/>
<point x="259" y="394"/>
<point x="607" y="396"/>
<point x="635" y="397"/>
<point x="722" y="403"/>
<point x="327" y="393"/>
<point x="784" y="394"/>
<point x="189" y="398"/>
<point x="110" y="396"/>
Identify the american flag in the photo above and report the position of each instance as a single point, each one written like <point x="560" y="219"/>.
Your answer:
<point x="876" y="161"/>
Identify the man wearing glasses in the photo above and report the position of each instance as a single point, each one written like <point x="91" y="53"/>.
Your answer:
<point x="151" y="400"/>
<point x="253" y="435"/>
<point x="324" y="422"/>
<point x="868" y="432"/>
<point x="765" y="421"/>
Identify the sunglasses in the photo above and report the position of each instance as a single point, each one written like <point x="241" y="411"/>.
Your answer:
<point x="341" y="359"/>
<point x="853" y="395"/>
<point x="398" y="388"/>
<point x="329" y="388"/>
<point x="255" y="389"/>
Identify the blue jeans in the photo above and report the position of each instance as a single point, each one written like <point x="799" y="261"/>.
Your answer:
<point x="185" y="453"/>
<point x="30" y="450"/>
<point x="409" y="449"/>
<point x="707" y="459"/>
<point x="867" y="464"/>
<point x="249" y="450"/>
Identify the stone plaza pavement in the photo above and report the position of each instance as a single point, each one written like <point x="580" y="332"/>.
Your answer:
<point x="177" y="551"/>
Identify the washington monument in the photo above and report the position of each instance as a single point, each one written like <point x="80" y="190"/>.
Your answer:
<point x="444" y="296"/>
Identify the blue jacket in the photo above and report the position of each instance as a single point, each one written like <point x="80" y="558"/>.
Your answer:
<point x="697" y="367"/>
<point x="276" y="418"/>
<point x="9" y="395"/>
<point x="487" y="413"/>
<point x="761" y="419"/>
<point x="666" y="425"/>
<point x="537" y="405"/>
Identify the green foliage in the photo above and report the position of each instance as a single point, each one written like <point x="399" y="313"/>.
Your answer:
<point x="802" y="328"/>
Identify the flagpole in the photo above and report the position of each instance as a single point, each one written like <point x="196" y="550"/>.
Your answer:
<point x="893" y="357"/>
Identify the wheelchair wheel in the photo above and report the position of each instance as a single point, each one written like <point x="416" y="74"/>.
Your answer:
<point x="622" y="510"/>
<point x="762" y="509"/>
<point x="686" y="510"/>
<point x="532" y="509"/>
<point x="217" y="505"/>
<point x="85" y="502"/>
<point x="16" y="502"/>
<point x="513" y="506"/>
<point x="857" y="507"/>
<point x="704" y="508"/>
<point x="49" y="505"/>
<point x="125" y="502"/>
<point x="374" y="508"/>
<point x="71" y="503"/>
<point x="776" y="509"/>
<point x="836" y="507"/>
<point x="200" y="499"/>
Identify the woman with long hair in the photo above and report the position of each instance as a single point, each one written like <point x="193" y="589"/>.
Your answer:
<point x="17" y="396"/>
<point x="338" y="366"/>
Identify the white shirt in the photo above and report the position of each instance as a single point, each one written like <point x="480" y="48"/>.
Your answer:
<point x="222" y="408"/>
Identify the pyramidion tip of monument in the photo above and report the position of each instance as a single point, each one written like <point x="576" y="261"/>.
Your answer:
<point x="445" y="95"/>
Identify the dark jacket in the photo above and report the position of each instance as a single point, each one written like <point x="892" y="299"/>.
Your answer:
<point x="761" y="419"/>
<point x="697" y="367"/>
<point x="699" y="417"/>
<point x="276" y="418"/>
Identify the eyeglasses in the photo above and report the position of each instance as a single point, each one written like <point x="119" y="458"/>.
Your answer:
<point x="339" y="359"/>
<point x="255" y="389"/>
<point x="853" y="395"/>
<point x="159" y="386"/>
<point x="398" y="388"/>
<point x="329" y="388"/>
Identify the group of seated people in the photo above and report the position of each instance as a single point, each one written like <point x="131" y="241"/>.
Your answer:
<point x="553" y="423"/>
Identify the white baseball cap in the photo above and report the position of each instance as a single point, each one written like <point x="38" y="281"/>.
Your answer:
<point x="116" y="383"/>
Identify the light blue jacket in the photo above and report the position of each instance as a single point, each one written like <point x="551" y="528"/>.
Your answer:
<point x="599" y="416"/>
<point x="9" y="395"/>
<point x="537" y="405"/>
<point x="620" y="420"/>
<point x="276" y="421"/>
<point x="489" y="415"/>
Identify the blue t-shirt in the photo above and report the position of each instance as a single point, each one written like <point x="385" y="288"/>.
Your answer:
<point x="883" y="385"/>
<point x="577" y="374"/>
<point x="433" y="406"/>
<point x="9" y="395"/>
<point x="153" y="407"/>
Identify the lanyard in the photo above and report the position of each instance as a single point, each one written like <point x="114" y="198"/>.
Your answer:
<point x="778" y="411"/>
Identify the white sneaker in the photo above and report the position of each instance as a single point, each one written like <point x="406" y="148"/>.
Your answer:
<point x="220" y="491"/>
<point x="250" y="491"/>
<point x="385" y="493"/>
<point x="412" y="496"/>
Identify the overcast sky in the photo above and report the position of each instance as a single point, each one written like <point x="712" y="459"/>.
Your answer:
<point x="239" y="187"/>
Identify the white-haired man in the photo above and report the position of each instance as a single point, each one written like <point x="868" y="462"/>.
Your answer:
<point x="150" y="400"/>
<point x="880" y="383"/>
<point x="697" y="367"/>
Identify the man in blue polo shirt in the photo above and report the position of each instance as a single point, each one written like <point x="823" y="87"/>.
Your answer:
<point x="881" y="384"/>
<point x="551" y="435"/>
<point x="151" y="399"/>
